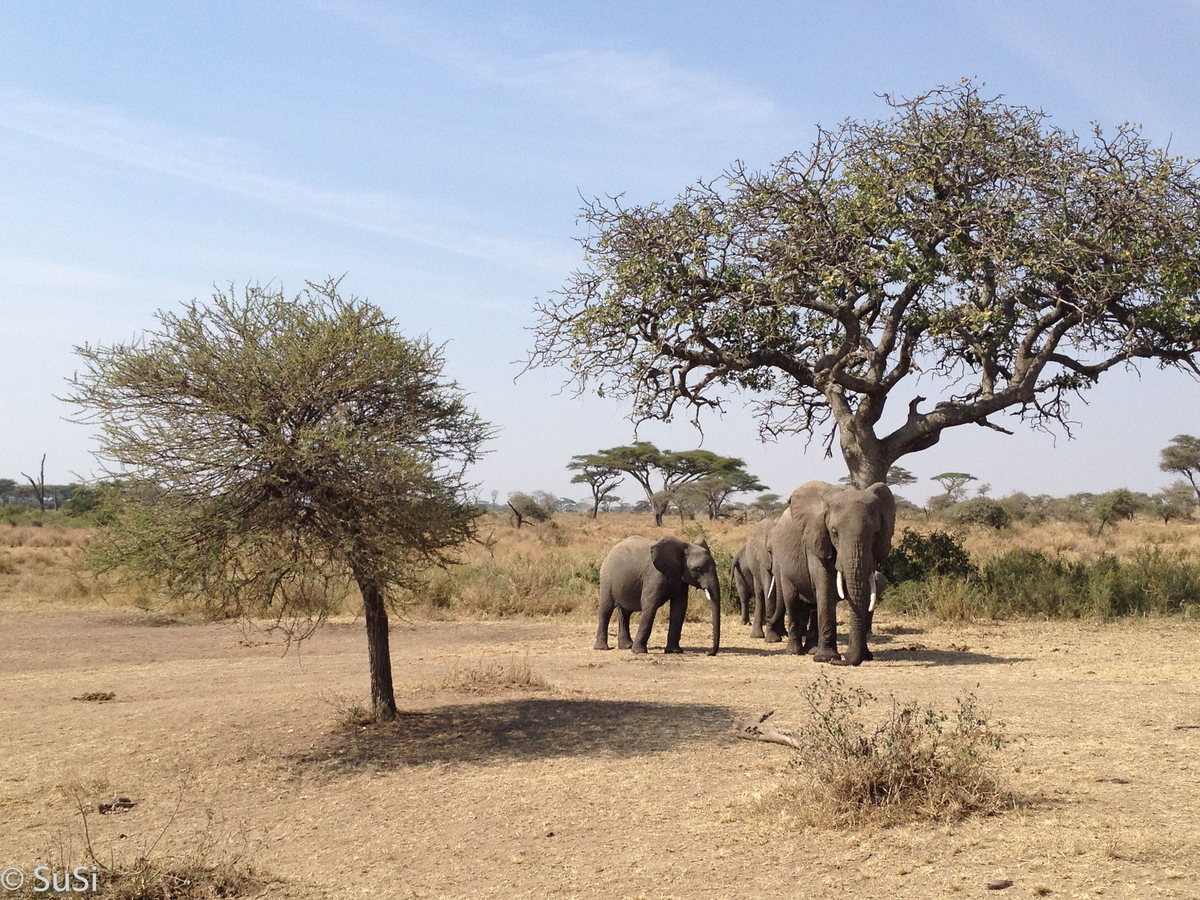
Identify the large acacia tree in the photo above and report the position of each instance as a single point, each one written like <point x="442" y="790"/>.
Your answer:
<point x="1008" y="262"/>
<point x="269" y="448"/>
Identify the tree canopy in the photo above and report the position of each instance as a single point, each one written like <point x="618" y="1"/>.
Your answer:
<point x="598" y="474"/>
<point x="270" y="448"/>
<point x="646" y="464"/>
<point x="963" y="240"/>
<point x="1182" y="455"/>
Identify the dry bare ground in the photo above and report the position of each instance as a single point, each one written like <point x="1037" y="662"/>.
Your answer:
<point x="527" y="764"/>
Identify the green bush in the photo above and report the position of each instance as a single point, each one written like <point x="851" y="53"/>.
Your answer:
<point x="1026" y="583"/>
<point x="979" y="511"/>
<point x="917" y="556"/>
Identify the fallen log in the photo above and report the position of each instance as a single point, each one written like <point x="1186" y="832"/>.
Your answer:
<point x="754" y="730"/>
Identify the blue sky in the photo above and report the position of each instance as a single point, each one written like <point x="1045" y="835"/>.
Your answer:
<point x="436" y="155"/>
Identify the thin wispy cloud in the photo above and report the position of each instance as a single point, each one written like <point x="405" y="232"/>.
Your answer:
<point x="1096" y="63"/>
<point x="584" y="80"/>
<point x="239" y="168"/>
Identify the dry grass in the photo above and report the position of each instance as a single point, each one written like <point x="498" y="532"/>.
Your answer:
<point x="1077" y="540"/>
<point x="491" y="676"/>
<point x="552" y="569"/>
<point x="75" y="862"/>
<point x="918" y="764"/>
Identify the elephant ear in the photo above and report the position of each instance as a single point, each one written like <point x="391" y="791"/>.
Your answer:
<point x="887" y="520"/>
<point x="667" y="555"/>
<point x="809" y="509"/>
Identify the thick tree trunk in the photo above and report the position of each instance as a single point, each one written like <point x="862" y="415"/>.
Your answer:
<point x="383" y="698"/>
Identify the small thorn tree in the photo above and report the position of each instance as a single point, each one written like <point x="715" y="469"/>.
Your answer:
<point x="1182" y="455"/>
<point x="269" y="449"/>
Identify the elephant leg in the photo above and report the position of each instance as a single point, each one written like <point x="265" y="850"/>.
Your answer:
<point x="675" y="623"/>
<point x="867" y="654"/>
<point x="760" y="607"/>
<point x="624" y="641"/>
<point x="797" y="610"/>
<point x="811" y="633"/>
<point x="644" y="625"/>
<point x="826" y="613"/>
<point x="606" y="610"/>
<point x="773" y="627"/>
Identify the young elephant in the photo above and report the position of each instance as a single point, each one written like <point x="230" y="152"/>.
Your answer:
<point x="640" y="575"/>
<point x="751" y="576"/>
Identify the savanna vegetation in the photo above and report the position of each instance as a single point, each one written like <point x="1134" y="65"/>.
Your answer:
<point x="1037" y="566"/>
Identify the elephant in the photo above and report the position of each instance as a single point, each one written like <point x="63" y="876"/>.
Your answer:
<point x="741" y="578"/>
<point x="640" y="575"/>
<point x="827" y="545"/>
<point x="751" y="576"/>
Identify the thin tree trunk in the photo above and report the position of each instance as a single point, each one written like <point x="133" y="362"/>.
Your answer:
<point x="383" y="698"/>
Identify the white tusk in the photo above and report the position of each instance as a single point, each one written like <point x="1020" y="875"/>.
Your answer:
<point x="874" y="591"/>
<point x="841" y="585"/>
<point x="874" y="597"/>
<point x="708" y="594"/>
<point x="772" y="586"/>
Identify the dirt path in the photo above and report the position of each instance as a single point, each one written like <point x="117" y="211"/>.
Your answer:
<point x="622" y="780"/>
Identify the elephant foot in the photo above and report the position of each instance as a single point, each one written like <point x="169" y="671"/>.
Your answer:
<point x="824" y="654"/>
<point x="845" y="662"/>
<point x="600" y="646"/>
<point x="756" y="632"/>
<point x="639" y="648"/>
<point x="771" y="637"/>
<point x="795" y="647"/>
<point x="867" y="656"/>
<point x="624" y="645"/>
<point x="672" y="649"/>
<point x="745" y="620"/>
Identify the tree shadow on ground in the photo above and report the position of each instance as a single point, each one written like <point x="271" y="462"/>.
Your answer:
<point x="522" y="729"/>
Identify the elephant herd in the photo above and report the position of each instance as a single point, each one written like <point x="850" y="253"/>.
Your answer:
<point x="826" y="546"/>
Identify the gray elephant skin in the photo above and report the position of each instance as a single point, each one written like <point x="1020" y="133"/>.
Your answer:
<point x="750" y="574"/>
<point x="827" y="545"/>
<point x="638" y="574"/>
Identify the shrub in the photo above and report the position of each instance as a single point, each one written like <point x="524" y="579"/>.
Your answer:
<point x="1024" y="583"/>
<point x="917" y="556"/>
<point x="979" y="511"/>
<point x="918" y="764"/>
<point x="1114" y="506"/>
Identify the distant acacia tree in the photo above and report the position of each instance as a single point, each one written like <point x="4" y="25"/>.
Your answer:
<point x="897" y="476"/>
<point x="768" y="503"/>
<point x="602" y="478"/>
<point x="39" y="486"/>
<point x="646" y="464"/>
<point x="7" y="487"/>
<point x="964" y="241"/>
<point x="1182" y="455"/>
<point x="1174" y="502"/>
<point x="529" y="507"/>
<point x="954" y="484"/>
<point x="714" y="490"/>
<point x="271" y="448"/>
<point x="1113" y="506"/>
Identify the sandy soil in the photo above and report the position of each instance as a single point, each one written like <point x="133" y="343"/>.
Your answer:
<point x="621" y="780"/>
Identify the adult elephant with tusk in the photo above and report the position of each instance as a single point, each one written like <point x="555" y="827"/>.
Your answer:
<point x="638" y="574"/>
<point x="827" y="546"/>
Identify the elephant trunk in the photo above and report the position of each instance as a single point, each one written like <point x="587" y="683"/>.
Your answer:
<point x="860" y="598"/>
